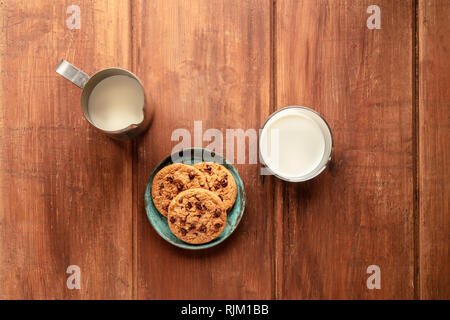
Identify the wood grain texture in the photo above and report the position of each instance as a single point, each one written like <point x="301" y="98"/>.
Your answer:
<point x="434" y="148"/>
<point x="69" y="195"/>
<point x="65" y="190"/>
<point x="207" y="61"/>
<point x="360" y="211"/>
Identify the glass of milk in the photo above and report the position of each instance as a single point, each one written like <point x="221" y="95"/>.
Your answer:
<point x="113" y="100"/>
<point x="295" y="143"/>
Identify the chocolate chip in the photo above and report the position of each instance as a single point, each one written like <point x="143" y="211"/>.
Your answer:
<point x="182" y="222"/>
<point x="172" y="220"/>
<point x="170" y="179"/>
<point x="180" y="187"/>
<point x="170" y="197"/>
<point x="165" y="207"/>
<point x="224" y="182"/>
<point x="192" y="227"/>
<point x="217" y="213"/>
<point x="216" y="186"/>
<point x="204" y="207"/>
<point x="183" y="231"/>
<point x="180" y="200"/>
<point x="202" y="229"/>
<point x="220" y="196"/>
<point x="198" y="205"/>
<point x="208" y="168"/>
<point x="217" y="225"/>
<point x="191" y="175"/>
<point x="188" y="205"/>
<point x="161" y="186"/>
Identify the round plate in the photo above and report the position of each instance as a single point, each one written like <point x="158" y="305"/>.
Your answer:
<point x="192" y="156"/>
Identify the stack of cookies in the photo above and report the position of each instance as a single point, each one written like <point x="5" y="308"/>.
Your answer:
<point x="195" y="199"/>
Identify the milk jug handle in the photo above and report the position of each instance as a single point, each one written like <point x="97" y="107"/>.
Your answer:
<point x="72" y="73"/>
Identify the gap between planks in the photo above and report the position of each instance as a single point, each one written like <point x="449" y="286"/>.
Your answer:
<point x="134" y="167"/>
<point x="415" y="129"/>
<point x="273" y="107"/>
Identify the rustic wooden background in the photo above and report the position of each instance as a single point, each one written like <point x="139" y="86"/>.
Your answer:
<point x="71" y="196"/>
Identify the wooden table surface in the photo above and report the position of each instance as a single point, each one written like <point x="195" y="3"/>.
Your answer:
<point x="72" y="196"/>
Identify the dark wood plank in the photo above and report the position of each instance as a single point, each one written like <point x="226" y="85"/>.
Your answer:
<point x="360" y="211"/>
<point x="434" y="148"/>
<point x="65" y="190"/>
<point x="207" y="61"/>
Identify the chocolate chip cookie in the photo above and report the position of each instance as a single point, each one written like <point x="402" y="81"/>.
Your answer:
<point x="197" y="216"/>
<point x="220" y="181"/>
<point x="173" y="179"/>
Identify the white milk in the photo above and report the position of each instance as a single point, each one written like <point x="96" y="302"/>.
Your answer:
<point x="294" y="143"/>
<point x="116" y="102"/>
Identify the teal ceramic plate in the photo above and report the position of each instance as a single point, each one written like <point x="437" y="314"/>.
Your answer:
<point x="192" y="156"/>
